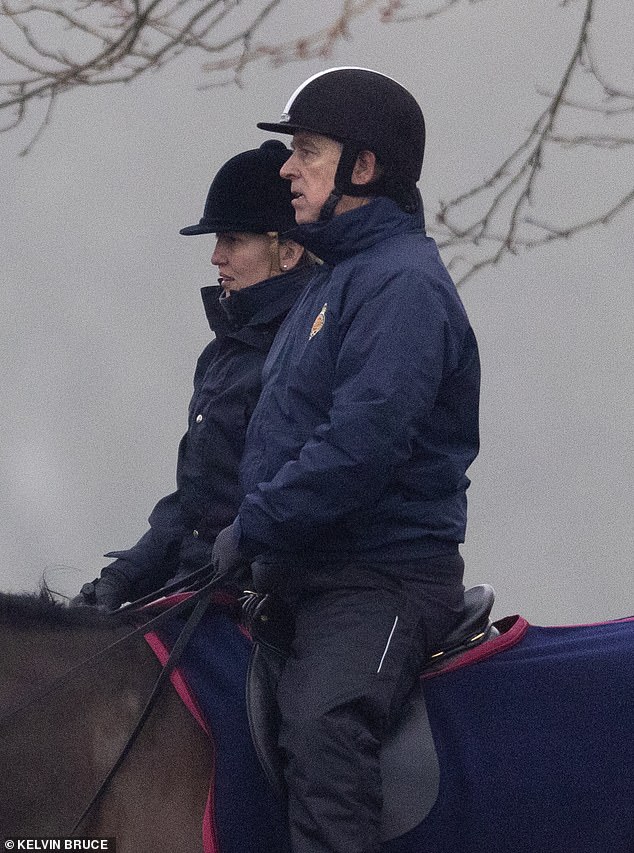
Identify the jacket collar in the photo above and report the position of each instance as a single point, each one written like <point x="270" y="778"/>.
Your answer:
<point x="349" y="233"/>
<point x="253" y="307"/>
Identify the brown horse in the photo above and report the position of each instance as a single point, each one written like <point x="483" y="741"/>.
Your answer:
<point x="523" y="743"/>
<point x="65" y="714"/>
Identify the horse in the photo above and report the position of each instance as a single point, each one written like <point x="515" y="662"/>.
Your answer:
<point x="528" y="738"/>
<point x="66" y="710"/>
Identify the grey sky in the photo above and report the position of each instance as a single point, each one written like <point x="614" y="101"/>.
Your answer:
<point x="103" y="320"/>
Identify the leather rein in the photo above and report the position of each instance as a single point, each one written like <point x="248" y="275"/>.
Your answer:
<point x="202" y="597"/>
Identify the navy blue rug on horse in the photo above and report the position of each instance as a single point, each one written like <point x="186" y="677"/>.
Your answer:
<point x="533" y="733"/>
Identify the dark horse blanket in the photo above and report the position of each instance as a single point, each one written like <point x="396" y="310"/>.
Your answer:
<point x="534" y="733"/>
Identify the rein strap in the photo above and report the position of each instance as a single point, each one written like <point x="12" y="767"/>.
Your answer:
<point x="204" y="597"/>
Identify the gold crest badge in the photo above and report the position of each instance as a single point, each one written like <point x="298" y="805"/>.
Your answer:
<point x="318" y="324"/>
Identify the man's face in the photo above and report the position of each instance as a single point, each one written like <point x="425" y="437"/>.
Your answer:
<point x="242" y="259"/>
<point x="311" y="170"/>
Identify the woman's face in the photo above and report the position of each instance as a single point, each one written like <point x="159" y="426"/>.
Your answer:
<point x="242" y="259"/>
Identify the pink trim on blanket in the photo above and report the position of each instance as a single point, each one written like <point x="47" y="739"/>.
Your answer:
<point x="509" y="637"/>
<point x="512" y="630"/>
<point x="593" y="624"/>
<point x="161" y="651"/>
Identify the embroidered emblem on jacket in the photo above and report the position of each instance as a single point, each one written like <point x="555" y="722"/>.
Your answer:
<point x="320" y="319"/>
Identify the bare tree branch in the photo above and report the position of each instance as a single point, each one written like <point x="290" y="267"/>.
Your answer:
<point x="119" y="40"/>
<point x="507" y="196"/>
<point x="552" y="232"/>
<point x="51" y="47"/>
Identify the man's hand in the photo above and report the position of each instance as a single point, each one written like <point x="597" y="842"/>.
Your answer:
<point x="230" y="567"/>
<point x="269" y="621"/>
<point x="254" y="608"/>
<point x="107" y="592"/>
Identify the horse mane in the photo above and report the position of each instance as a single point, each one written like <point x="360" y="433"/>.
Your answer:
<point x="20" y="610"/>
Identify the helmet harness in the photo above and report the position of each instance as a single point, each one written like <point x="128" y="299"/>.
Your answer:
<point x="363" y="110"/>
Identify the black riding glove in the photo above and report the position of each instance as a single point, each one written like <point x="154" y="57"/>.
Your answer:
<point x="269" y="621"/>
<point x="108" y="592"/>
<point x="231" y="569"/>
<point x="254" y="608"/>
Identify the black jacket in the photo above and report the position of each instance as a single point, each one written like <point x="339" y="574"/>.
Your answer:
<point x="227" y="385"/>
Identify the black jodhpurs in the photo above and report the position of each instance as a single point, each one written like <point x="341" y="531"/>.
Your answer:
<point x="357" y="653"/>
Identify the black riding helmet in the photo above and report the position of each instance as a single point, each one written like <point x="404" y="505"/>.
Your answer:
<point x="364" y="110"/>
<point x="248" y="194"/>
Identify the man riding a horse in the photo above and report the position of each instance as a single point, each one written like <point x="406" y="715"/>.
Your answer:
<point x="355" y="457"/>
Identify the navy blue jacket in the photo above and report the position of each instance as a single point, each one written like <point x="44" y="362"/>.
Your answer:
<point x="227" y="384"/>
<point x="368" y="418"/>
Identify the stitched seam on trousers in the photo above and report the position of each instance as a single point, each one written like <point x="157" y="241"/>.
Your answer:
<point x="389" y="640"/>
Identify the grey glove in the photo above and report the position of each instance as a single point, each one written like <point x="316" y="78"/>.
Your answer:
<point x="107" y="592"/>
<point x="230" y="568"/>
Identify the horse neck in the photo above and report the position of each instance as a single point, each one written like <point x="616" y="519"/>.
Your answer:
<point x="63" y="725"/>
<point x="34" y="657"/>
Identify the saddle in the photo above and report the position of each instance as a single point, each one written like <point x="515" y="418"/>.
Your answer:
<point x="409" y="764"/>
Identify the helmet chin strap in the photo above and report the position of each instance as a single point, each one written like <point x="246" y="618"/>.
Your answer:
<point x="343" y="180"/>
<point x="328" y="208"/>
<point x="405" y="195"/>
